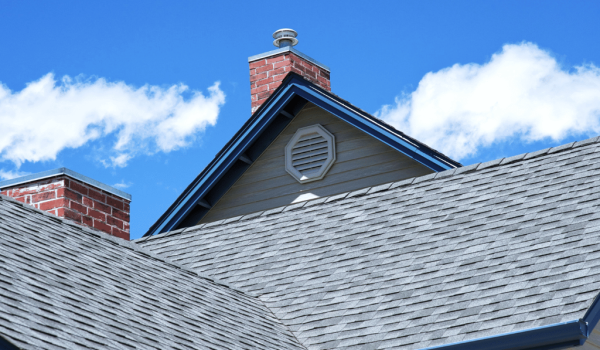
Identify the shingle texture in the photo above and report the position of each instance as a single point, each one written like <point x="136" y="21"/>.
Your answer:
<point x="487" y="249"/>
<point x="67" y="287"/>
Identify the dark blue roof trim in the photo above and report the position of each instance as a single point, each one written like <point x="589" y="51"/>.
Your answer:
<point x="6" y="345"/>
<point x="592" y="316"/>
<point x="555" y="336"/>
<point x="375" y="128"/>
<point x="218" y="167"/>
<point x="292" y="86"/>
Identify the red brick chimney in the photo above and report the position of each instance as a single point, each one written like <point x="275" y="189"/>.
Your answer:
<point x="267" y="70"/>
<point x="75" y="197"/>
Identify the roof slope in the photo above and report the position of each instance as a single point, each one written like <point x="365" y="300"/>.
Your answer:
<point x="472" y="252"/>
<point x="63" y="286"/>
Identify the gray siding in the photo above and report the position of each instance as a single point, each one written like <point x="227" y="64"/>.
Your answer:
<point x="593" y="341"/>
<point x="362" y="161"/>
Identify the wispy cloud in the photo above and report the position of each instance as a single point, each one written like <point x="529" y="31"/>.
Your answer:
<point x="123" y="185"/>
<point x="522" y="92"/>
<point x="11" y="174"/>
<point x="48" y="116"/>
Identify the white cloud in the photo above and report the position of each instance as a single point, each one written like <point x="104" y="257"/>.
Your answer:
<point x="48" y="116"/>
<point x="522" y="92"/>
<point x="10" y="174"/>
<point x="122" y="185"/>
<point x="120" y="160"/>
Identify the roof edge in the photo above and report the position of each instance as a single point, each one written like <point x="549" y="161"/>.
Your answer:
<point x="554" y="336"/>
<point x="592" y="315"/>
<point x="379" y="129"/>
<point x="68" y="172"/>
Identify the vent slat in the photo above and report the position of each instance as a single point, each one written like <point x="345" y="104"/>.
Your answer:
<point x="310" y="152"/>
<point x="310" y="141"/>
<point x="309" y="144"/>
<point x="314" y="135"/>
<point x="309" y="166"/>
<point x="310" y="160"/>
<point x="314" y="153"/>
<point x="309" y="148"/>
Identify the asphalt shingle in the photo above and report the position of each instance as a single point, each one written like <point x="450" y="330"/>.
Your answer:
<point x="63" y="286"/>
<point x="496" y="247"/>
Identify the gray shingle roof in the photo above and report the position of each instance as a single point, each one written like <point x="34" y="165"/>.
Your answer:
<point x="481" y="250"/>
<point x="63" y="286"/>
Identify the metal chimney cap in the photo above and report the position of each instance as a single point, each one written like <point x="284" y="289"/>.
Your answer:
<point x="285" y="37"/>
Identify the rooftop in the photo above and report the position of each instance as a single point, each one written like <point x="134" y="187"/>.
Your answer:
<point x="491" y="248"/>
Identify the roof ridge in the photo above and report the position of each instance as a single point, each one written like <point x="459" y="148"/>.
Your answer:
<point x="127" y="244"/>
<point x="388" y="186"/>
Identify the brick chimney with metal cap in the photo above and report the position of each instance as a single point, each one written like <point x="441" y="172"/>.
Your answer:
<point x="267" y="70"/>
<point x="74" y="197"/>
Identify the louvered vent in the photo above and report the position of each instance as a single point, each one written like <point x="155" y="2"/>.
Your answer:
<point x="310" y="153"/>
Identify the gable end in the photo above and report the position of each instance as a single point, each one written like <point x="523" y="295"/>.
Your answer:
<point x="262" y="128"/>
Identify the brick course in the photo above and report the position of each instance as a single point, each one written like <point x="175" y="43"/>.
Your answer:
<point x="76" y="201"/>
<point x="266" y="75"/>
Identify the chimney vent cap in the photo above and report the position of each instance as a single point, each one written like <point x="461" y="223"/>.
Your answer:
<point x="285" y="37"/>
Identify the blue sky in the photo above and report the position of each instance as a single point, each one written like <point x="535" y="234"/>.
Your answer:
<point x="478" y="80"/>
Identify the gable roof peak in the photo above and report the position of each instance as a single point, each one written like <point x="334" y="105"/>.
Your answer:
<point x="267" y="122"/>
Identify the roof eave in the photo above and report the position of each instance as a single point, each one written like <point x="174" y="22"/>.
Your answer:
<point x="554" y="336"/>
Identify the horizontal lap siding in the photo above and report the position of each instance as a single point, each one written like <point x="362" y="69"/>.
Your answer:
<point x="593" y="341"/>
<point x="362" y="161"/>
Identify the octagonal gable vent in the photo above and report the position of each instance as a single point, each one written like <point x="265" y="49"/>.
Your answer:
<point x="310" y="153"/>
